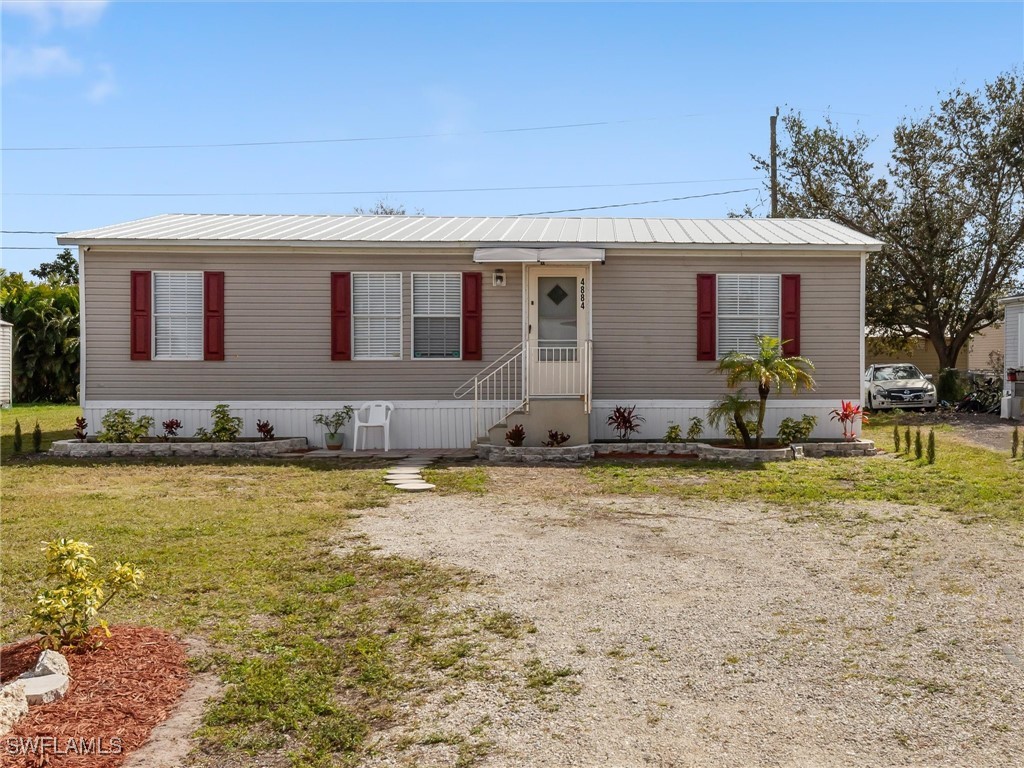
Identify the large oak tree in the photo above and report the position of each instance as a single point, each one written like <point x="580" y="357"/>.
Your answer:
<point x="949" y="205"/>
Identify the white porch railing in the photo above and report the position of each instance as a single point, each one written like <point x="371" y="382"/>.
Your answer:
<point x="526" y="371"/>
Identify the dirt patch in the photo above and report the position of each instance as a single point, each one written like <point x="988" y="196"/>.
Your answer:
<point x="721" y="635"/>
<point x="118" y="693"/>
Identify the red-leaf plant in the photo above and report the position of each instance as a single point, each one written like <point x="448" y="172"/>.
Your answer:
<point x="81" y="428"/>
<point x="266" y="429"/>
<point x="556" y="438"/>
<point x="171" y="427"/>
<point x="625" y="421"/>
<point x="847" y="416"/>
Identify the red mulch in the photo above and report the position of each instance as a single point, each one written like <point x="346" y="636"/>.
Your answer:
<point x="119" y="692"/>
<point x="652" y="456"/>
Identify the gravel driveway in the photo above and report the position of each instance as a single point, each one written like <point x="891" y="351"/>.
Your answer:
<point x="726" y="634"/>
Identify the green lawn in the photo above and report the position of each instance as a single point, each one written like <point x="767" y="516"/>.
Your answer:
<point x="57" y="422"/>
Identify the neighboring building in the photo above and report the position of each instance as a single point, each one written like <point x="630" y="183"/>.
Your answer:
<point x="6" y="363"/>
<point x="1013" y="356"/>
<point x="459" y="321"/>
<point x="975" y="356"/>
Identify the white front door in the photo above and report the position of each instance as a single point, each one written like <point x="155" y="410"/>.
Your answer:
<point x="558" y="333"/>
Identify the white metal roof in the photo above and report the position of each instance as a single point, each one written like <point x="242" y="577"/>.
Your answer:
<point x="335" y="230"/>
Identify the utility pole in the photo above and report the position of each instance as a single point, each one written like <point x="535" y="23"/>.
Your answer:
<point x="775" y="170"/>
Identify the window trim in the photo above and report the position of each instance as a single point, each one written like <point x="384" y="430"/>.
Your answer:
<point x="718" y="307"/>
<point x="413" y="315"/>
<point x="401" y="316"/>
<point x="154" y="315"/>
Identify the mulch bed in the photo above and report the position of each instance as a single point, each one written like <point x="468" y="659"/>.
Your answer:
<point x="119" y="692"/>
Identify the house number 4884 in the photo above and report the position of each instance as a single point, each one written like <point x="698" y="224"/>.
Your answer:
<point x="583" y="293"/>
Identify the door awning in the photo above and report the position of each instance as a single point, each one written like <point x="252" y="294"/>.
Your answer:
<point x="538" y="255"/>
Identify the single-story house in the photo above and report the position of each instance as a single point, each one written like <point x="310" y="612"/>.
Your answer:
<point x="461" y="321"/>
<point x="1013" y="356"/>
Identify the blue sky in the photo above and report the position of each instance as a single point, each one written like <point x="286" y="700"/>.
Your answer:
<point x="695" y="83"/>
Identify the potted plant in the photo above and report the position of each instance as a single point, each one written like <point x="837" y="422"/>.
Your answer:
<point x="1012" y="374"/>
<point x="333" y="424"/>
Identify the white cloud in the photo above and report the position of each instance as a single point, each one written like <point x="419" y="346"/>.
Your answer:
<point x="38" y="62"/>
<point x="66" y="13"/>
<point x="104" y="87"/>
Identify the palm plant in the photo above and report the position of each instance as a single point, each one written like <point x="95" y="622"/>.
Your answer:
<point x="736" y="407"/>
<point x="769" y="369"/>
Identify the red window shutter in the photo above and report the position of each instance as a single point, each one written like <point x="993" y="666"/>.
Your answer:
<point x="707" y="339"/>
<point x="472" y="315"/>
<point x="341" y="315"/>
<point x="213" y="315"/>
<point x="141" y="315"/>
<point x="791" y="314"/>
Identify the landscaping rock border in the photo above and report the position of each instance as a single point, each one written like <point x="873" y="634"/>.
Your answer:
<point x="703" y="451"/>
<point x="78" y="449"/>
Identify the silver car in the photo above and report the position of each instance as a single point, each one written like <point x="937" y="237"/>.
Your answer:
<point x="898" y="385"/>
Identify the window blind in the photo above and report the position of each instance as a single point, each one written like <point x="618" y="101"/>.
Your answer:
<point x="178" y="315"/>
<point x="437" y="315"/>
<point x="376" y="315"/>
<point x="748" y="307"/>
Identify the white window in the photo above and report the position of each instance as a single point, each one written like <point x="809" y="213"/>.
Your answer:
<point x="437" y="315"/>
<point x="376" y="315"/>
<point x="177" y="315"/>
<point x="748" y="307"/>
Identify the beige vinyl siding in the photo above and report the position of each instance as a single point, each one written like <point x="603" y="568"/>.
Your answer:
<point x="645" y="322"/>
<point x="983" y="344"/>
<point x="277" y="329"/>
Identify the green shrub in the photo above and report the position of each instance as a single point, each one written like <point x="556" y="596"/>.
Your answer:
<point x="64" y="614"/>
<point x="696" y="429"/>
<point x="931" y="446"/>
<point x="918" y="446"/>
<point x="226" y="428"/>
<point x="37" y="439"/>
<point x="121" y="426"/>
<point x="17" y="436"/>
<point x="674" y="434"/>
<point x="896" y="437"/>
<point x="794" y="431"/>
<point x="906" y="441"/>
<point x="950" y="386"/>
<point x="1014" y="442"/>
<point x="733" y="430"/>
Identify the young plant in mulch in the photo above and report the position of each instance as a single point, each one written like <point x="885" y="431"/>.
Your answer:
<point x="37" y="439"/>
<point x="918" y="445"/>
<point x="266" y="429"/>
<point x="1015" y="442"/>
<point x="516" y="436"/>
<point x="732" y="411"/>
<point x="695" y="431"/>
<point x="121" y="426"/>
<point x="796" y="431"/>
<point x="931" y="446"/>
<point x="17" y="436"/>
<point x="674" y="434"/>
<point x="171" y="427"/>
<point x="226" y="428"/>
<point x="625" y="421"/>
<point x="847" y="415"/>
<point x="81" y="428"/>
<point x="64" y="614"/>
<point x="556" y="438"/>
<point x="770" y="368"/>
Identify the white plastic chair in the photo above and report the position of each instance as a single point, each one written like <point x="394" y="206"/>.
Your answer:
<point x="378" y="414"/>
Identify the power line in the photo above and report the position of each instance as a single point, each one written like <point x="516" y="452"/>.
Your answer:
<point x="379" y="191"/>
<point x="29" y="232"/>
<point x="640" y="202"/>
<point x="342" y="140"/>
<point x="27" y="248"/>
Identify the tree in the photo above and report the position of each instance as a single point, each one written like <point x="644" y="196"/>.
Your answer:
<point x="385" y="207"/>
<point x="735" y="407"/>
<point x="769" y="369"/>
<point x="949" y="206"/>
<point x="63" y="270"/>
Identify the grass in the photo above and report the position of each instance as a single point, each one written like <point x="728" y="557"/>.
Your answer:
<point x="965" y="480"/>
<point x="56" y="421"/>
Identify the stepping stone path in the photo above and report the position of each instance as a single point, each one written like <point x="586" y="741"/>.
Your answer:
<point x="405" y="476"/>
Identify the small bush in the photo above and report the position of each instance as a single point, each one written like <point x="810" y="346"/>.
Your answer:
<point x="81" y="428"/>
<point x="950" y="386"/>
<point x="64" y="614"/>
<point x="931" y="446"/>
<point x="674" y="434"/>
<point x="906" y="441"/>
<point x="516" y="436"/>
<point x="896" y="437"/>
<point x="918" y="445"/>
<point x="696" y="429"/>
<point x="171" y="427"/>
<point x="733" y="431"/>
<point x="17" y="436"/>
<point x="37" y="439"/>
<point x="266" y="429"/>
<point x="625" y="421"/>
<point x="226" y="427"/>
<point x="793" y="431"/>
<point x="556" y="438"/>
<point x="1015" y="442"/>
<point x="121" y="426"/>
